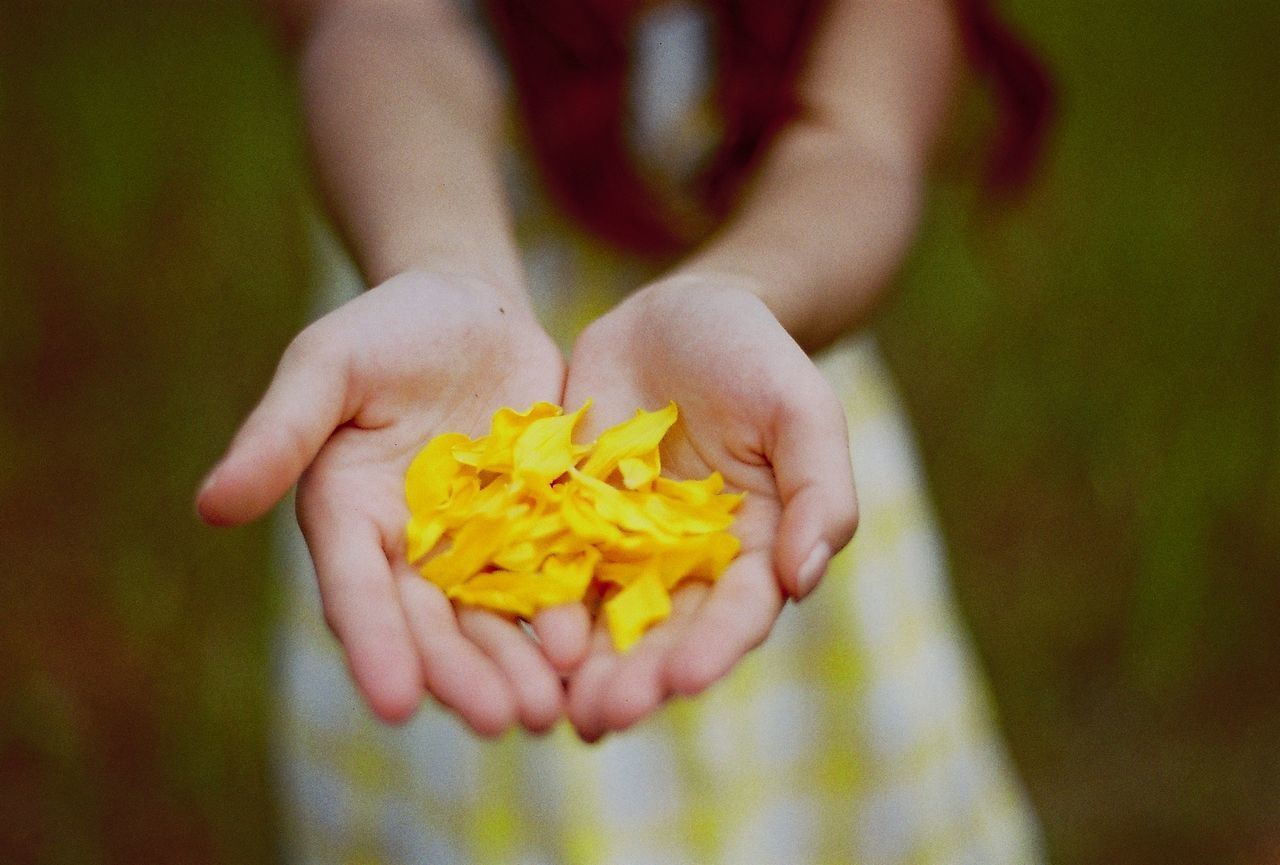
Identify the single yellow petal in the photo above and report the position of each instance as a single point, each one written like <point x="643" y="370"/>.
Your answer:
<point x="462" y="492"/>
<point x="495" y="499"/>
<point x="639" y="472"/>
<point x="500" y="591"/>
<point x="565" y="578"/>
<point x="583" y="518"/>
<point x="622" y="573"/>
<point x="561" y="580"/>
<point x="472" y="548"/>
<point x="428" y="483"/>
<point x="614" y="506"/>
<point x="635" y="546"/>
<point x="682" y="518"/>
<point x="635" y="438"/>
<point x="495" y="452"/>
<point x="721" y="549"/>
<point x="635" y="609"/>
<point x="542" y="523"/>
<point x="544" y="450"/>
<point x="702" y="557"/>
<point x="569" y="544"/>
<point x="693" y="492"/>
<point x="422" y="536"/>
<point x="508" y="424"/>
<point x="522" y="555"/>
<point x="472" y="453"/>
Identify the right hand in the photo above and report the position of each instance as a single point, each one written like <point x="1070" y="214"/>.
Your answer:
<point x="754" y="408"/>
<point x="356" y="395"/>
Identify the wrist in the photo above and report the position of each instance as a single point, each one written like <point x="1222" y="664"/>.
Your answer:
<point x="506" y="298"/>
<point x="499" y="274"/>
<point x="820" y="238"/>
<point x="693" y="284"/>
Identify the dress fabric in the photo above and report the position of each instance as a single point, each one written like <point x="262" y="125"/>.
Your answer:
<point x="859" y="733"/>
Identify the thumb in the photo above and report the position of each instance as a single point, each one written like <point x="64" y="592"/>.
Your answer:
<point x="304" y="404"/>
<point x="815" y="481"/>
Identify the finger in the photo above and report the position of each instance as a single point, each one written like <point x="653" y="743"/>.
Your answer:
<point x="587" y="684"/>
<point x="363" y="610"/>
<point x="736" y="616"/>
<point x="810" y="459"/>
<point x="538" y="693"/>
<point x="564" y="632"/>
<point x="457" y="672"/>
<point x="282" y="435"/>
<point x="639" y="684"/>
<point x="612" y="692"/>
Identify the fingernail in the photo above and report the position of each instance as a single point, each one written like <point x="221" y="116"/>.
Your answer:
<point x="812" y="569"/>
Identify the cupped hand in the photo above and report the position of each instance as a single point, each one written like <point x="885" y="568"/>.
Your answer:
<point x="752" y="407"/>
<point x="355" y="396"/>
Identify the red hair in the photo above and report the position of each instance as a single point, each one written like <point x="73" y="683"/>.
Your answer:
<point x="570" y="58"/>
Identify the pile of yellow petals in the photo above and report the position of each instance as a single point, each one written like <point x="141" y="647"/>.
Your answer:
<point x="523" y="519"/>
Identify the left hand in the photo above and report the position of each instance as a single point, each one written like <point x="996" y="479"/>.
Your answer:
<point x="752" y="407"/>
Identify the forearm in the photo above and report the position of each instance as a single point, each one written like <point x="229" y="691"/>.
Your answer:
<point x="833" y="208"/>
<point x="403" y="117"/>
<point x="818" y="238"/>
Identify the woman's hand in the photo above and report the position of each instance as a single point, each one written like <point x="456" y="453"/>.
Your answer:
<point x="756" y="409"/>
<point x="354" y="398"/>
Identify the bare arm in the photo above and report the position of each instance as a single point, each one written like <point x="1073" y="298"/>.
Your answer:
<point x="834" y="206"/>
<point x="403" y="114"/>
<point x="403" y="120"/>
<point x="805" y="258"/>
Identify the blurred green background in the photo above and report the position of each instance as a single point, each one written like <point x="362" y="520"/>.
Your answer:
<point x="1095" y="375"/>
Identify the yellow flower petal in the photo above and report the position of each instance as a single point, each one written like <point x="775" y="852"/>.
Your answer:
<point x="495" y="452"/>
<point x="585" y="520"/>
<point x="693" y="492"/>
<point x="635" y="547"/>
<point x="561" y="580"/>
<point x="429" y="481"/>
<point x="507" y="522"/>
<point x="636" y="438"/>
<point x="635" y="609"/>
<point x="613" y="505"/>
<point x="639" y="472"/>
<point x="422" y="536"/>
<point x="566" y="578"/>
<point x="682" y="518"/>
<point x="472" y="549"/>
<point x="703" y="557"/>
<point x="544" y="450"/>
<point x="500" y="591"/>
<point x="622" y="573"/>
<point x="532" y="539"/>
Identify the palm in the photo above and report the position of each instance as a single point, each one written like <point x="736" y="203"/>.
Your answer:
<point x="355" y="397"/>
<point x="736" y="377"/>
<point x="412" y="379"/>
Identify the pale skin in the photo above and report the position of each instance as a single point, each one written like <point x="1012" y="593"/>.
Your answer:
<point x="403" y="118"/>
